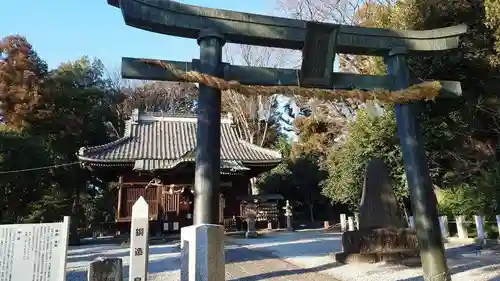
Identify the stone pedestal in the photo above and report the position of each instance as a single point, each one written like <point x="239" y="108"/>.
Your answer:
<point x="251" y="230"/>
<point x="202" y="253"/>
<point x="269" y="225"/>
<point x="105" y="269"/>
<point x="384" y="244"/>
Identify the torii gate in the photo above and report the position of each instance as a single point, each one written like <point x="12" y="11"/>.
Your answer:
<point x="319" y="42"/>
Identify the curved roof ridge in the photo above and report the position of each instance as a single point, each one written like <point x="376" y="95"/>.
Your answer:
<point x="271" y="152"/>
<point x="89" y="149"/>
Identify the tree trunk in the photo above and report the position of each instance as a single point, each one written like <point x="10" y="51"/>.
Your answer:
<point x="311" y="208"/>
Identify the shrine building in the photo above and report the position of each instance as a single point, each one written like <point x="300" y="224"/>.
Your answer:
<point x="156" y="159"/>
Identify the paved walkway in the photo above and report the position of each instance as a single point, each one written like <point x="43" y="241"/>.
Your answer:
<point x="252" y="265"/>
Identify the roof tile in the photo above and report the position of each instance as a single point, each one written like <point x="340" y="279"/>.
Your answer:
<point x="160" y="142"/>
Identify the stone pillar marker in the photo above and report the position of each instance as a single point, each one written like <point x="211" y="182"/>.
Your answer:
<point x="139" y="234"/>
<point x="288" y="215"/>
<point x="343" y="222"/>
<point x="202" y="253"/>
<point x="412" y="222"/>
<point x="461" y="228"/>
<point x="105" y="269"/>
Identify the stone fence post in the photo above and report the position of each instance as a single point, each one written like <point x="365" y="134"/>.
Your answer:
<point x="461" y="227"/>
<point x="480" y="228"/>
<point x="350" y="221"/>
<point x="343" y="222"/>
<point x="412" y="222"/>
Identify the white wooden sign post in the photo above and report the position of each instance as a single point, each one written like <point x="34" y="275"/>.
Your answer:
<point x="32" y="252"/>
<point x="139" y="234"/>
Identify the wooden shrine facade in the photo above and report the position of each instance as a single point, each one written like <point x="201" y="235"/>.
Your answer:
<point x="155" y="159"/>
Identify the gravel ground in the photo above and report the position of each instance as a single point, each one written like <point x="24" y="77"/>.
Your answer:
<point x="303" y="255"/>
<point x="312" y="250"/>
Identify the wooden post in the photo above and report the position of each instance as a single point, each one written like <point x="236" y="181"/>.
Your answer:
<point x="343" y="222"/>
<point x="350" y="221"/>
<point x="480" y="228"/>
<point x="120" y="197"/>
<point x="461" y="228"/>
<point x="139" y="235"/>
<point x="105" y="269"/>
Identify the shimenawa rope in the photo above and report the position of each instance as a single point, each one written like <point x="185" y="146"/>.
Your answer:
<point x="422" y="91"/>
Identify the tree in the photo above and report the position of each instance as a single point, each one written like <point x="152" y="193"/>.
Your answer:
<point x="18" y="188"/>
<point x="168" y="97"/>
<point x="254" y="116"/>
<point x="73" y="112"/>
<point x="368" y="136"/>
<point x="21" y="72"/>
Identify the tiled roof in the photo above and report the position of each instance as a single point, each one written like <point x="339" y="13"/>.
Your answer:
<point x="157" y="142"/>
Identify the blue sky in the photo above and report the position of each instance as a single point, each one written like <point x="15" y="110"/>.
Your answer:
<point x="64" y="30"/>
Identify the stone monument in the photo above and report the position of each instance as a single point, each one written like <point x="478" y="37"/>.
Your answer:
<point x="379" y="207"/>
<point x="383" y="234"/>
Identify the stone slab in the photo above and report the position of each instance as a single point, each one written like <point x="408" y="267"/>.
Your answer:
<point x="398" y="257"/>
